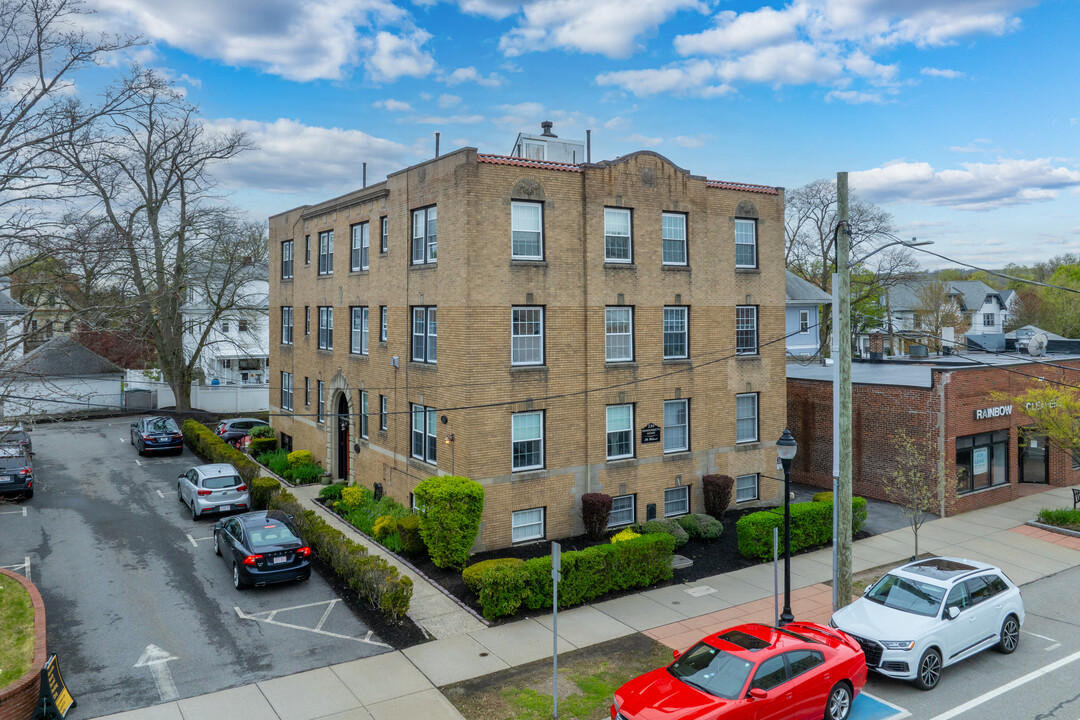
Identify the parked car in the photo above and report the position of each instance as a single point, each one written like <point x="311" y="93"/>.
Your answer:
<point x="17" y="435"/>
<point x="232" y="429"/>
<point x="752" y="671"/>
<point x="929" y="614"/>
<point x="16" y="472"/>
<point x="262" y="548"/>
<point x="213" y="488"/>
<point x="157" y="434"/>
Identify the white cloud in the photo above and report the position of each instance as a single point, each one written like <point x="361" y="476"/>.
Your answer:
<point x="470" y="74"/>
<point x="853" y="97"/>
<point x="736" y="32"/>
<point x="447" y="100"/>
<point x="691" y="141"/>
<point x="446" y="119"/>
<point x="637" y="139"/>
<point x="392" y="105"/>
<point x="977" y="186"/>
<point x="695" y="78"/>
<point x="296" y="158"/>
<point x="394" y="56"/>
<point x="942" y="73"/>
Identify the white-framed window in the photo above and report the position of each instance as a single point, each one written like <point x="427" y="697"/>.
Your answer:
<point x="746" y="335"/>
<point x="619" y="334"/>
<point x="746" y="418"/>
<point x="617" y="242"/>
<point x="676" y="425"/>
<point x="224" y="326"/>
<point x="676" y="501"/>
<point x="286" y="391"/>
<point x="527" y="524"/>
<point x="623" y="510"/>
<point x="424" y="235"/>
<point x="989" y="319"/>
<point x="384" y="243"/>
<point x="358" y="258"/>
<point x="326" y="252"/>
<point x="424" y="439"/>
<point x="320" y="397"/>
<point x="526" y="231"/>
<point x="527" y="439"/>
<point x="620" y="431"/>
<point x="358" y="340"/>
<point x="382" y="412"/>
<point x="363" y="414"/>
<point x="286" y="325"/>
<point x="424" y="335"/>
<point x="286" y="259"/>
<point x="804" y="321"/>
<point x="382" y="323"/>
<point x="676" y="335"/>
<point x="326" y="328"/>
<point x="745" y="243"/>
<point x="527" y="336"/>
<point x="673" y="232"/>
<point x="746" y="488"/>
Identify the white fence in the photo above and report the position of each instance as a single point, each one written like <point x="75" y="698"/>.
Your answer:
<point x="211" y="398"/>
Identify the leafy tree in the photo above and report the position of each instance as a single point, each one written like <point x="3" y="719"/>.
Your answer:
<point x="913" y="485"/>
<point x="1054" y="412"/>
<point x="936" y="310"/>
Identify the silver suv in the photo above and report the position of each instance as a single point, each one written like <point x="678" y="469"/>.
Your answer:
<point x="214" y="488"/>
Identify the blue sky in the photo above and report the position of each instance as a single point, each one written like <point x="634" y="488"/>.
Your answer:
<point x="961" y="117"/>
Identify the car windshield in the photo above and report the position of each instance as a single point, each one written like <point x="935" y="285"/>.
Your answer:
<point x="162" y="425"/>
<point x="713" y="671"/>
<point x="267" y="535"/>
<point x="217" y="483"/>
<point x="907" y="595"/>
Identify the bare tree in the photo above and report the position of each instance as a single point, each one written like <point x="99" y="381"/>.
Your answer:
<point x="148" y="171"/>
<point x="936" y="309"/>
<point x="913" y="486"/>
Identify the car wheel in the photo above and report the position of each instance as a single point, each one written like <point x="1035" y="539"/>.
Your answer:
<point x="929" y="670"/>
<point x="1010" y="635"/>
<point x="217" y="546"/>
<point x="839" y="705"/>
<point x="140" y="448"/>
<point x="236" y="581"/>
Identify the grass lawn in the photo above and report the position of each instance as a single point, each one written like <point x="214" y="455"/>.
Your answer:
<point x="587" y="680"/>
<point x="17" y="639"/>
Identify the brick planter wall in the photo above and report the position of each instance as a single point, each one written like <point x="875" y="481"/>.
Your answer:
<point x="18" y="700"/>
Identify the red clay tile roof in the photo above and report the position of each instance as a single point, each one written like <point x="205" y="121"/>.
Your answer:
<point x="745" y="187"/>
<point x="522" y="162"/>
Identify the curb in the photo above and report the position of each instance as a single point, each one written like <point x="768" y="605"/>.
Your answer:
<point x="23" y="693"/>
<point x="1053" y="528"/>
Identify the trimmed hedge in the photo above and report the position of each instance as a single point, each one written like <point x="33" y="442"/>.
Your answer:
<point x="210" y="447"/>
<point x="332" y="493"/>
<point x="700" y="527"/>
<point x="595" y="511"/>
<point x="717" y="490"/>
<point x="859" y="511"/>
<point x="586" y="575"/>
<point x="666" y="525"/>
<point x="262" y="488"/>
<point x="408" y="529"/>
<point x="811" y="526"/>
<point x="261" y="431"/>
<point x="473" y="574"/>
<point x="450" y="510"/>
<point x="301" y="457"/>
<point x="373" y="579"/>
<point x="259" y="446"/>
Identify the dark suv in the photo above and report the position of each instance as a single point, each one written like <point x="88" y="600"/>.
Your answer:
<point x="16" y="472"/>
<point x="232" y="430"/>
<point x="16" y="436"/>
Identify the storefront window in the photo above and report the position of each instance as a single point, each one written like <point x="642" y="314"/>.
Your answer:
<point x="982" y="461"/>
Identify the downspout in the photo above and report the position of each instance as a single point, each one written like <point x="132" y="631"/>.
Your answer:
<point x="944" y="380"/>
<point x="585" y="316"/>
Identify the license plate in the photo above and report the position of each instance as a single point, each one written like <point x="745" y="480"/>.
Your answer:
<point x="223" y="508"/>
<point x="279" y="560"/>
<point x="5" y="478"/>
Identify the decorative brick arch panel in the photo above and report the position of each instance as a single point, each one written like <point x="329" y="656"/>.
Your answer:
<point x="337" y="387"/>
<point x="18" y="701"/>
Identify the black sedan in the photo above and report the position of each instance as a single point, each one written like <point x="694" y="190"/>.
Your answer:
<point x="157" y="434"/>
<point x="262" y="548"/>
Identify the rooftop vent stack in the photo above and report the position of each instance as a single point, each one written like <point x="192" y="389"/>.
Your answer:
<point x="588" y="146"/>
<point x="364" y="181"/>
<point x="546" y="127"/>
<point x="919" y="351"/>
<point x="436" y="144"/>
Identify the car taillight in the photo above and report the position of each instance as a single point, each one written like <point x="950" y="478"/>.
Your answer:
<point x="145" y="437"/>
<point x="204" y="493"/>
<point x="177" y="437"/>
<point x="26" y="471"/>
<point x="242" y="488"/>
<point x="252" y="559"/>
<point x="221" y="430"/>
<point x="304" y="551"/>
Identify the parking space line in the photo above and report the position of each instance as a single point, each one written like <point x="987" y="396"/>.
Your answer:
<point x="195" y="541"/>
<point x="161" y="494"/>
<point x="137" y="462"/>
<point x="1054" y="646"/>
<point x="986" y="697"/>
<point x="21" y="511"/>
<point x="899" y="714"/>
<point x="318" y="630"/>
<point x="326" y="614"/>
<point x="24" y="566"/>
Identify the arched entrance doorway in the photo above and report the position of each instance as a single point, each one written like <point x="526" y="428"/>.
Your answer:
<point x="342" y="437"/>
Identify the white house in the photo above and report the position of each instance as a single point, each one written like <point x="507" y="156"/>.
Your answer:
<point x="58" y="378"/>
<point x="803" y="313"/>
<point x="11" y="325"/>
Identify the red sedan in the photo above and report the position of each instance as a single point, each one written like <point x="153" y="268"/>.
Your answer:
<point x="801" y="671"/>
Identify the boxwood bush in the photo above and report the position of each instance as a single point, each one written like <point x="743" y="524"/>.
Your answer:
<point x="667" y="525"/>
<point x="700" y="527"/>
<point x="450" y="510"/>
<point x="332" y="493"/>
<point x="374" y="580"/>
<point x="211" y="448"/>
<point x="473" y="574"/>
<point x="261" y="431"/>
<point x="859" y="511"/>
<point x="408" y="529"/>
<point x="811" y="525"/>
<point x="261" y="490"/>
<point x="259" y="446"/>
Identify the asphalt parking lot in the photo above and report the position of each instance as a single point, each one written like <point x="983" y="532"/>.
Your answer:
<point x="140" y="610"/>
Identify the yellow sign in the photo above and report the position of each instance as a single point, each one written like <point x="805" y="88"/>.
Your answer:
<point x="53" y="688"/>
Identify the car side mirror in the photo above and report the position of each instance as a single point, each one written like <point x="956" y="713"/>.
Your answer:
<point x="675" y="654"/>
<point x="866" y="590"/>
<point x="134" y="424"/>
<point x="758" y="694"/>
<point x="953" y="612"/>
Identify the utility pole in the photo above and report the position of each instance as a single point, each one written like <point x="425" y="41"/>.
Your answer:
<point x="842" y="496"/>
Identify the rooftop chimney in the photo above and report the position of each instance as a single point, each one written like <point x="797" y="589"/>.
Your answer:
<point x="546" y="126"/>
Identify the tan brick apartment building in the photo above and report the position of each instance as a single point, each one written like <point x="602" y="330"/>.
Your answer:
<point x="534" y="325"/>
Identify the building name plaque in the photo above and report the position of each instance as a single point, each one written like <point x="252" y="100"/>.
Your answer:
<point x="993" y="412"/>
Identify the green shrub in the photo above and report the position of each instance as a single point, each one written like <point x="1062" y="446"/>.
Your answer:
<point x="859" y="510"/>
<point x="305" y="474"/>
<point x="1060" y="517"/>
<point x="717" y="490"/>
<point x="332" y="493"/>
<point x="354" y="496"/>
<point x="211" y="448"/>
<point x="473" y="574"/>
<point x="450" y="510"/>
<point x="408" y="529"/>
<point x="823" y="496"/>
<point x="586" y="575"/>
<point x="261" y="431"/>
<point x="811" y="526"/>
<point x="373" y="579"/>
<point x="626" y="534"/>
<point x="259" y="446"/>
<point x="382" y="527"/>
<point x="301" y="457"/>
<point x="700" y="527"/>
<point x="261" y="490"/>
<point x="364" y="514"/>
<point x="276" y="460"/>
<point x="666" y="525"/>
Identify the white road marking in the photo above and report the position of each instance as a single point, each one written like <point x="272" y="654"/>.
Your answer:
<point x="318" y="630"/>
<point x="161" y="494"/>
<point x="155" y="658"/>
<point x="901" y="713"/>
<point x="986" y="697"/>
<point x="137" y="462"/>
<point x="1043" y="637"/>
<point x="326" y="614"/>
<point x="1055" y="646"/>
<point x="195" y="541"/>
<point x="195" y="544"/>
<point x="21" y="511"/>
<point x="24" y="567"/>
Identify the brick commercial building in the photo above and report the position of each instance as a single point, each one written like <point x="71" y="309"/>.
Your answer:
<point x="545" y="328"/>
<point x="954" y="407"/>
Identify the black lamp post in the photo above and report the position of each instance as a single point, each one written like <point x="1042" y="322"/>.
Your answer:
<point x="785" y="448"/>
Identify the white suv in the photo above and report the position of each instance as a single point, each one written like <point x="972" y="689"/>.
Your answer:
<point x="932" y="613"/>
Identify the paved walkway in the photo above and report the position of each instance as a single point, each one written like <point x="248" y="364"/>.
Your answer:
<point x="405" y="684"/>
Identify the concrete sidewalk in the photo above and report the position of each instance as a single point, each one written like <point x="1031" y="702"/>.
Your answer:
<point x="405" y="684"/>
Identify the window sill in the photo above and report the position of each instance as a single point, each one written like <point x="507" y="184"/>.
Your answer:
<point x="748" y="271"/>
<point x="358" y="356"/>
<point x="675" y="268"/>
<point x="426" y="367"/>
<point x="527" y="262"/>
<point x="423" y="266"/>
<point x="422" y="464"/>
<point x="621" y="365"/>
<point x="746" y="500"/>
<point x="527" y="369"/>
<point x="325" y="276"/>
<point x="747" y="445"/>
<point x="977" y="491"/>
<point x="365" y="271"/>
<point x="325" y="351"/>
<point x="286" y="279"/>
<point x="678" y="455"/>
<point x="619" y="265"/>
<point x="530" y="474"/>
<point x="621" y="462"/>
<point x="748" y="356"/>
<point x="678" y="361"/>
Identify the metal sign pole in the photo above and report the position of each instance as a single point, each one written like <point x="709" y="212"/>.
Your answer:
<point x="775" y="578"/>
<point x="556" y="576"/>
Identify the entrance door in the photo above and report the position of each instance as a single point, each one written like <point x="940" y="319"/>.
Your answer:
<point x="1034" y="458"/>
<point x="342" y="437"/>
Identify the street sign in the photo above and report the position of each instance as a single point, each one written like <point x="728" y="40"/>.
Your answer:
<point x="650" y="433"/>
<point x="556" y="561"/>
